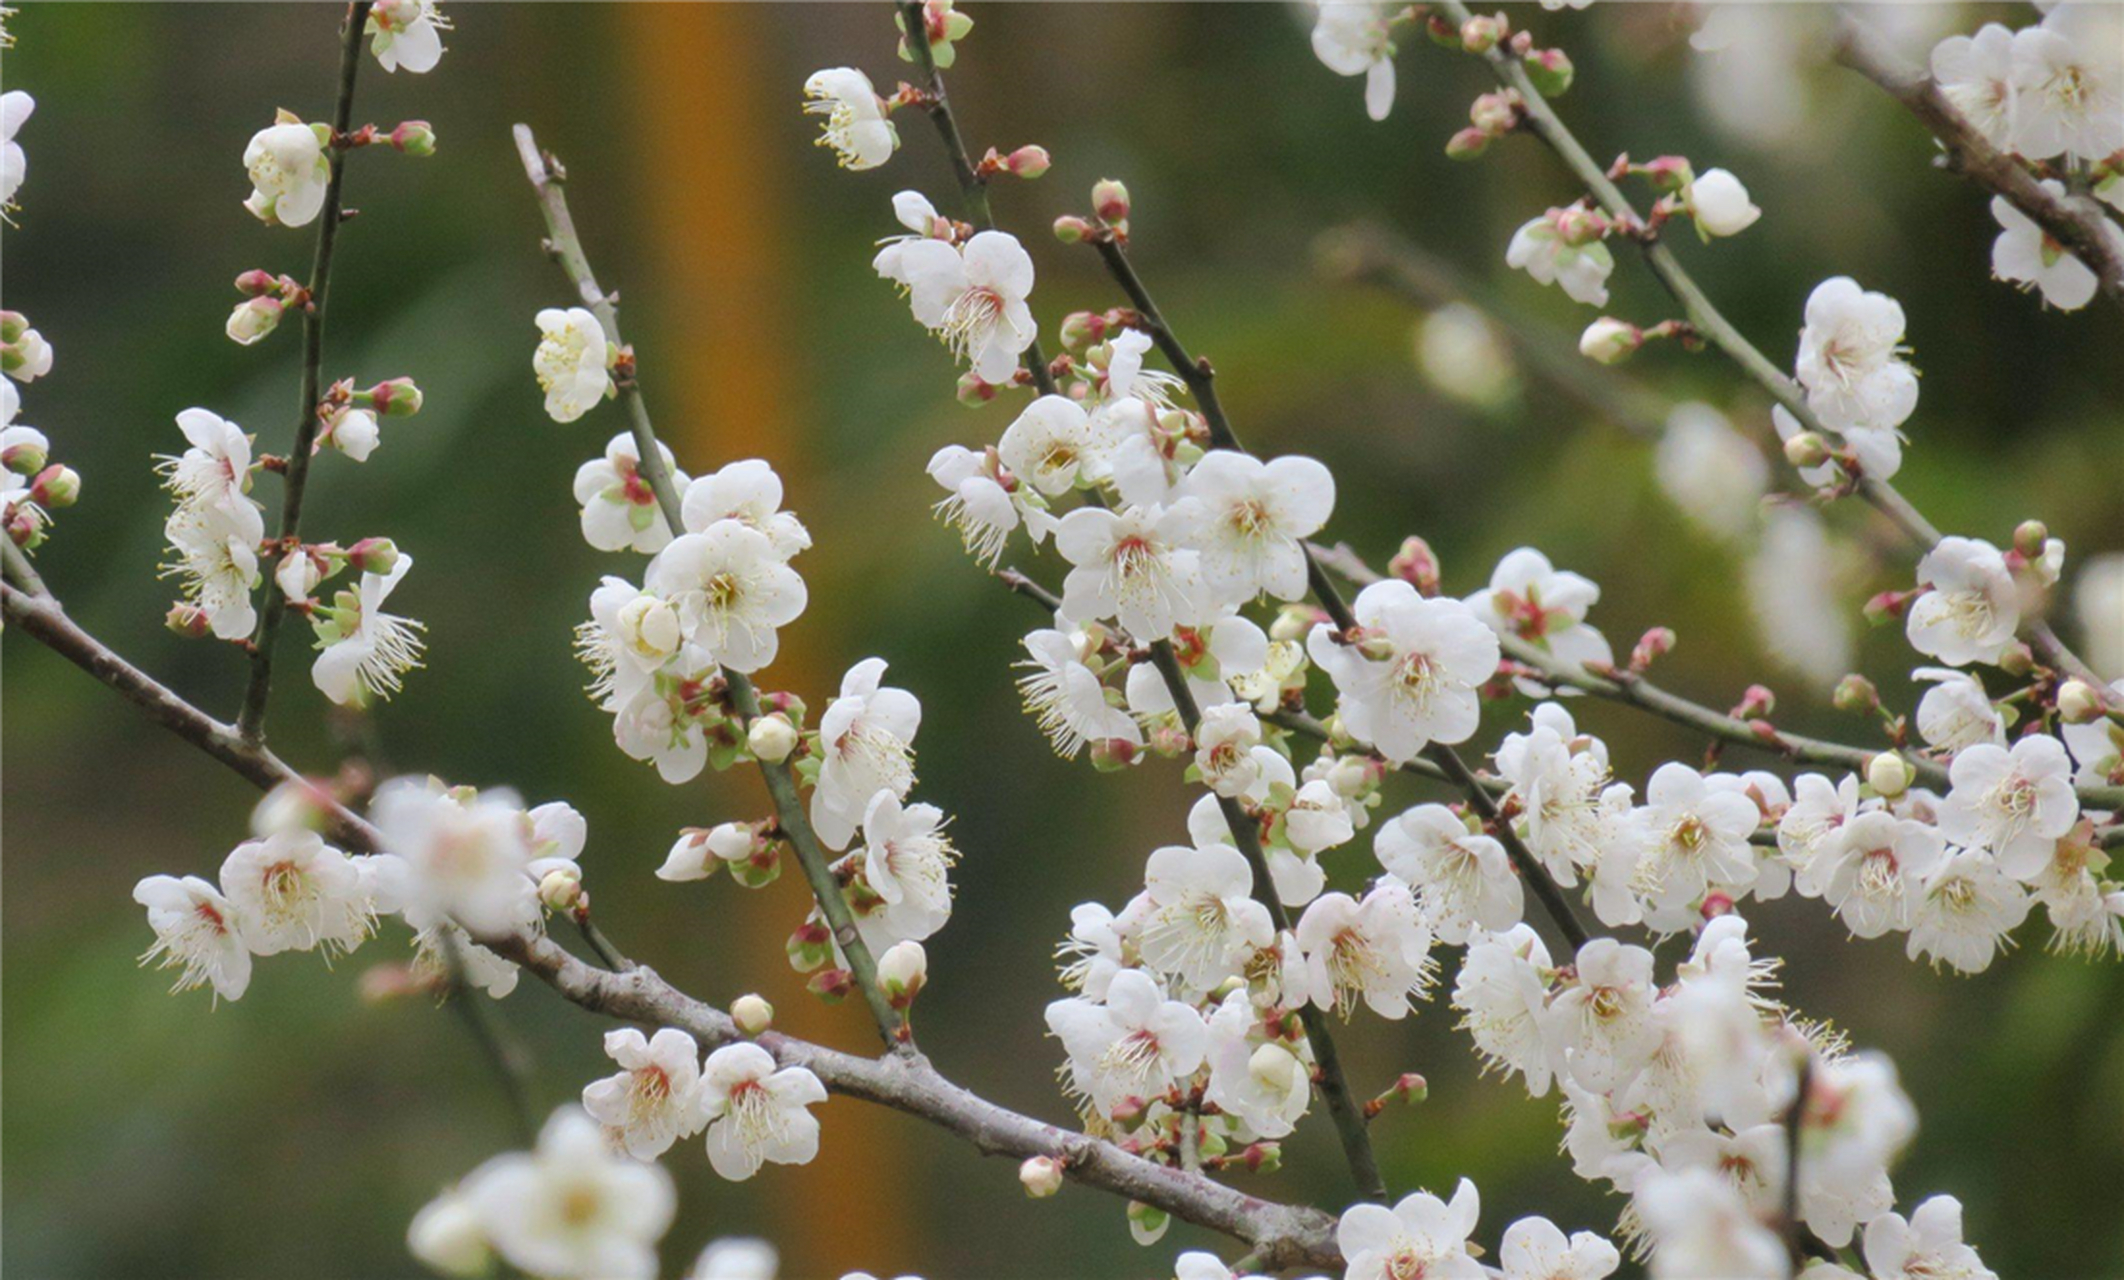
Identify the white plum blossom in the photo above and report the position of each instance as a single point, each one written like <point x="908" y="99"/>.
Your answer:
<point x="2068" y="85"/>
<point x="748" y="492"/>
<point x="758" y="1113"/>
<point x="289" y="171"/>
<point x="856" y="128"/>
<point x="1696" y="839"/>
<point x="1051" y="446"/>
<point x="1972" y="609"/>
<point x="1558" y="777"/>
<point x="1710" y="471"/>
<point x="1956" y="712"/>
<point x="736" y="1258"/>
<point x="1502" y="993"/>
<point x="1859" y="1119"/>
<point x="1876" y="452"/>
<point x="1352" y="38"/>
<point x="1422" y="1236"/>
<point x="2098" y="745"/>
<point x="1700" y="1226"/>
<point x="1136" y="565"/>
<point x="15" y="109"/>
<point x="1227" y="747"/>
<point x="1720" y="204"/>
<point x="620" y="511"/>
<point x="1227" y="651"/>
<point x="1259" y="1080"/>
<point x="1463" y="882"/>
<point x="1376" y="951"/>
<point x="217" y="563"/>
<point x="1412" y="677"/>
<point x="1542" y="249"/>
<point x="1975" y="73"/>
<point x="1807" y="830"/>
<point x="1870" y="869"/>
<point x="215" y="471"/>
<point x="1196" y="919"/>
<point x="1530" y="598"/>
<point x="906" y="860"/>
<point x="973" y="297"/>
<point x="1929" y="1244"/>
<point x="690" y="853"/>
<point x="655" y="1098"/>
<point x="572" y="1209"/>
<point x="364" y="650"/>
<point x="731" y="590"/>
<point x="985" y="503"/>
<point x="1093" y="951"/>
<point x="1135" y="1044"/>
<point x="197" y="932"/>
<point x="572" y="362"/>
<point x="1066" y="697"/>
<point x="1127" y="379"/>
<point x="294" y="892"/>
<point x="1963" y="912"/>
<point x="1850" y="358"/>
<point x="407" y="33"/>
<point x="867" y="740"/>
<point x="2025" y="254"/>
<point x="2015" y="803"/>
<point x="1604" y="1018"/>
<point x="1535" y="1249"/>
<point x="912" y="210"/>
<point x="467" y="857"/>
<point x="1255" y="518"/>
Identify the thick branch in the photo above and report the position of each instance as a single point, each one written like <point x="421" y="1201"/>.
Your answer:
<point x="251" y="719"/>
<point x="2073" y="222"/>
<point x="566" y="247"/>
<point x="1544" y="123"/>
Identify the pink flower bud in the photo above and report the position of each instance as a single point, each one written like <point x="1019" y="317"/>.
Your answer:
<point x="1041" y="1176"/>
<point x="1550" y="70"/>
<point x="1417" y="565"/>
<point x="1651" y="647"/>
<point x="1495" y="113"/>
<point x="2017" y="659"/>
<point x="1081" y="329"/>
<point x="1578" y="226"/>
<point x="373" y="555"/>
<point x="56" y="487"/>
<point x="253" y="319"/>
<point x="1806" y="449"/>
<point x="1757" y="701"/>
<point x="2029" y="537"/>
<point x="25" y="459"/>
<point x="392" y="398"/>
<point x="1481" y="33"/>
<point x="1110" y="200"/>
<point x="831" y="985"/>
<point x="973" y="392"/>
<point x="187" y="620"/>
<point x="1855" y="695"/>
<point x="1028" y="161"/>
<point x="257" y="283"/>
<point x="414" y="138"/>
<point x="1071" y="229"/>
<point x="1668" y="173"/>
<point x="1468" y="144"/>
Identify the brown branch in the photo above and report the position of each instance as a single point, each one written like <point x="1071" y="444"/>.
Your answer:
<point x="2075" y="223"/>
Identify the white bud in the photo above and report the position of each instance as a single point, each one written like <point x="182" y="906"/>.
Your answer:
<point x="561" y="888"/>
<point x="446" y="1236"/>
<point x="1721" y="204"/>
<point x="688" y="859"/>
<point x="1273" y="1067"/>
<point x="752" y="1014"/>
<point x="1889" y="774"/>
<point x="297" y="574"/>
<point x="902" y="970"/>
<point x="1609" y="341"/>
<point x="771" y="738"/>
<point x="253" y="319"/>
<point x="732" y="841"/>
<point x="1041" y="1177"/>
<point x="649" y="627"/>
<point x="2079" y="703"/>
<point x="355" y="434"/>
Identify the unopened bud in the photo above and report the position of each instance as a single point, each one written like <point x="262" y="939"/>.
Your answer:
<point x="257" y="283"/>
<point x="831" y="985"/>
<point x="1028" y="162"/>
<point x="392" y="398"/>
<point x="55" y="487"/>
<point x="1147" y="1223"/>
<point x="1293" y="622"/>
<point x="1417" y="565"/>
<point x="1170" y="741"/>
<point x="1481" y="33"/>
<point x="450" y="1236"/>
<point x="24" y="459"/>
<point x="561" y="888"/>
<point x="1757" y="701"/>
<point x="1886" y="606"/>
<point x="414" y="138"/>
<point x="373" y="555"/>
<point x="752" y="1014"/>
<point x="1651" y="647"/>
<point x="1806" y="449"/>
<point x="187" y="620"/>
<point x="902" y="972"/>
<point x="1669" y="173"/>
<point x="1111" y="755"/>
<point x="1610" y="341"/>
<point x="1855" y="695"/>
<point x="13" y="324"/>
<point x="1495" y="113"/>
<point x="771" y="738"/>
<point x="1550" y="70"/>
<point x="2029" y="537"/>
<point x="1889" y="775"/>
<point x="1041" y="1176"/>
<point x="1071" y="229"/>
<point x="2079" y="703"/>
<point x="2017" y="659"/>
<point x="253" y="319"/>
<point x="1468" y="144"/>
<point x="808" y="946"/>
<point x="1081" y="329"/>
<point x="648" y="627"/>
<point x="1110" y="200"/>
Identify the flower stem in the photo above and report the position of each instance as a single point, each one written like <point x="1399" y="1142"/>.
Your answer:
<point x="250" y="721"/>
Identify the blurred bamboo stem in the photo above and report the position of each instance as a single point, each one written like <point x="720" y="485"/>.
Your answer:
<point x="566" y="248"/>
<point x="250" y="721"/>
<point x="2073" y="221"/>
<point x="1545" y="124"/>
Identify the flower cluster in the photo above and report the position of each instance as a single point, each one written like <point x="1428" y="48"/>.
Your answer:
<point x="32" y="486"/>
<point x="753" y="1111"/>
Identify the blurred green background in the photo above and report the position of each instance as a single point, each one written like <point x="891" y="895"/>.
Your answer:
<point x="295" y="1132"/>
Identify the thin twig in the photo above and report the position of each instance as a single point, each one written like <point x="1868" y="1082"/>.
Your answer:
<point x="2071" y="221"/>
<point x="1541" y="119"/>
<point x="566" y="247"/>
<point x="507" y="1057"/>
<point x="251" y="719"/>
